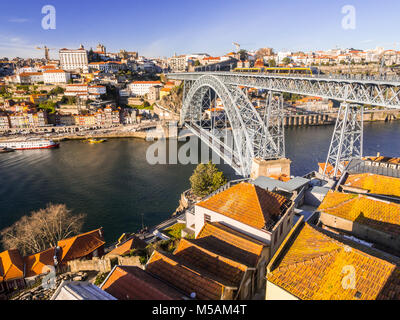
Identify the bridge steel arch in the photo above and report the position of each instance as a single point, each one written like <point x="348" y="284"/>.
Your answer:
<point x="251" y="137"/>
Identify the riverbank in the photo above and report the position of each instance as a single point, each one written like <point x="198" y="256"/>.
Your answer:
<point x="118" y="135"/>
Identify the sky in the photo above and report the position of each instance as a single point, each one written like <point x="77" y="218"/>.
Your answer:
<point x="157" y="28"/>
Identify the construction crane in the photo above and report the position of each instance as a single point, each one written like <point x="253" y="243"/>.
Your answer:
<point x="46" y="52"/>
<point x="237" y="45"/>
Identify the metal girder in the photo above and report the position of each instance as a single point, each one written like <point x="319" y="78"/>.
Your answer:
<point x="347" y="139"/>
<point x="274" y="120"/>
<point x="382" y="92"/>
<point x="250" y="135"/>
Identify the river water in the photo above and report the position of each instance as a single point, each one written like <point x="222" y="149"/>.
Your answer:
<point x="115" y="186"/>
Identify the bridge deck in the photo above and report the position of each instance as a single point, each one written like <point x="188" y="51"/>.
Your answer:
<point x="360" y="89"/>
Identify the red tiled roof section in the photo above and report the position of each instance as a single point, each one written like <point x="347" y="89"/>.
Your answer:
<point x="377" y="214"/>
<point x="375" y="183"/>
<point x="224" y="240"/>
<point x="314" y="268"/>
<point x="36" y="264"/>
<point x="128" y="245"/>
<point x="133" y="283"/>
<point x="167" y="268"/>
<point x="228" y="270"/>
<point x="246" y="203"/>
<point x="81" y="245"/>
<point x="11" y="265"/>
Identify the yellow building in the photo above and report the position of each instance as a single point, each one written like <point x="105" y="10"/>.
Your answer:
<point x="165" y="92"/>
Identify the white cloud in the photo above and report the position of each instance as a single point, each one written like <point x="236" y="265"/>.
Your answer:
<point x="18" y="20"/>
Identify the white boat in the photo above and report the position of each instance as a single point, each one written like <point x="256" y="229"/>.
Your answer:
<point x="29" y="144"/>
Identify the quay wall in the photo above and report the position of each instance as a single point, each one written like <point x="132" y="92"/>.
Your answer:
<point x="330" y="118"/>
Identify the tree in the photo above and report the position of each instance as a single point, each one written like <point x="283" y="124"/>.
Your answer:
<point x="206" y="179"/>
<point x="272" y="63"/>
<point x="42" y="229"/>
<point x="286" y="61"/>
<point x="243" y="55"/>
<point x="49" y="106"/>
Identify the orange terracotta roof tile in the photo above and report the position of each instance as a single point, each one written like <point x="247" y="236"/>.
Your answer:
<point x="38" y="263"/>
<point x="316" y="266"/>
<point x="375" y="183"/>
<point x="377" y="214"/>
<point x="170" y="269"/>
<point x="221" y="239"/>
<point x="133" y="283"/>
<point x="248" y="204"/>
<point x="128" y="245"/>
<point x="80" y="245"/>
<point x="201" y="260"/>
<point x="11" y="265"/>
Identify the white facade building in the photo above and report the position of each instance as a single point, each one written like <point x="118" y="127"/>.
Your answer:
<point x="142" y="88"/>
<point x="74" y="59"/>
<point x="56" y="76"/>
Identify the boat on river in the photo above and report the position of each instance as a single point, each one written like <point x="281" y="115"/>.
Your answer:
<point x="94" y="141"/>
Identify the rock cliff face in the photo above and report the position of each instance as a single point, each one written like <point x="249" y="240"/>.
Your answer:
<point x="173" y="101"/>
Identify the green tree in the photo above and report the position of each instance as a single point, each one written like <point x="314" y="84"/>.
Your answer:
<point x="206" y="179"/>
<point x="49" y="106"/>
<point x="272" y="63"/>
<point x="243" y="55"/>
<point x="286" y="61"/>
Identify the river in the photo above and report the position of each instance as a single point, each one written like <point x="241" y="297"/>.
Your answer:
<point x="115" y="186"/>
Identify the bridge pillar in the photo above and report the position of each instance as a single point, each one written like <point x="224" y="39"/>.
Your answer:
<point x="347" y="139"/>
<point x="270" y="168"/>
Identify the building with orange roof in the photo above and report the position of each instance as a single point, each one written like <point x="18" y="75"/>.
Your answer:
<point x="183" y="276"/>
<point x="265" y="216"/>
<point x="85" y="245"/>
<point x="38" y="263"/>
<point x="11" y="271"/>
<point x="133" y="283"/>
<point x="313" y="264"/>
<point x="130" y="244"/>
<point x="368" y="218"/>
<point x="373" y="184"/>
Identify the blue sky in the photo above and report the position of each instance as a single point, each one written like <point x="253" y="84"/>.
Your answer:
<point x="161" y="28"/>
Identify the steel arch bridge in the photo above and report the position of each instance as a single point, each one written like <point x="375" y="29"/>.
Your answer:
<point x="257" y="135"/>
<point x="251" y="137"/>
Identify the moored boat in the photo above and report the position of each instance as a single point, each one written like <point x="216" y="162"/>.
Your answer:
<point x="5" y="150"/>
<point x="29" y="144"/>
<point x="96" y="140"/>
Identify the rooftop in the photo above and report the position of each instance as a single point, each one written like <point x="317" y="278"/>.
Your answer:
<point x="235" y="245"/>
<point x="374" y="183"/>
<point x="11" y="265"/>
<point x="76" y="290"/>
<point x="81" y="245"/>
<point x="174" y="271"/>
<point x="38" y="263"/>
<point x="311" y="268"/>
<point x="248" y="204"/>
<point x="203" y="260"/>
<point x="377" y="214"/>
<point x="128" y="245"/>
<point x="133" y="283"/>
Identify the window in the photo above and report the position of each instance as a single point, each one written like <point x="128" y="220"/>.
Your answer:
<point x="207" y="218"/>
